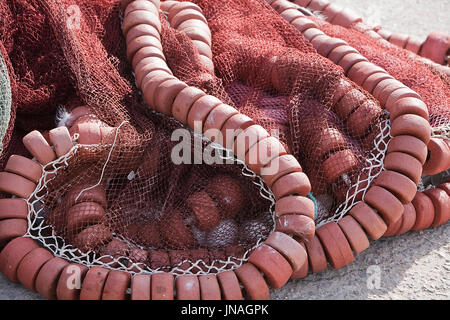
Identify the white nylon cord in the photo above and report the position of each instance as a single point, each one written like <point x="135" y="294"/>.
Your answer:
<point x="106" y="163"/>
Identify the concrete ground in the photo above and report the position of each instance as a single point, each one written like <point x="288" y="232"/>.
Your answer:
<point x="413" y="266"/>
<point x="413" y="17"/>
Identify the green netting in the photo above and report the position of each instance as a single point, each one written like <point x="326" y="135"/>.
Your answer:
<point x="5" y="101"/>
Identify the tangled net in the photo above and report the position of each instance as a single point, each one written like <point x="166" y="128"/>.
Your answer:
<point x="143" y="213"/>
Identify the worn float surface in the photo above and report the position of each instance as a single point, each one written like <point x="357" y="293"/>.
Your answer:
<point x="413" y="266"/>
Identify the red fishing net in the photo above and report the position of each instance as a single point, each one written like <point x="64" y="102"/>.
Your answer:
<point x="430" y="84"/>
<point x="159" y="213"/>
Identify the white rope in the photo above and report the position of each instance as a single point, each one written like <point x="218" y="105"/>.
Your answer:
<point x="441" y="132"/>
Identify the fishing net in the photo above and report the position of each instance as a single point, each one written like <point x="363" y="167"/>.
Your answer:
<point x="189" y="218"/>
<point x="149" y="200"/>
<point x="5" y="101"/>
<point x="403" y="66"/>
<point x="417" y="74"/>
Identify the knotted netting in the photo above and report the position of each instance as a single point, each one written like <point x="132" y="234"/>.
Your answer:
<point x="67" y="54"/>
<point x="5" y="102"/>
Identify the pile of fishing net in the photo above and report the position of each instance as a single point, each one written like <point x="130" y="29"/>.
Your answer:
<point x="210" y="149"/>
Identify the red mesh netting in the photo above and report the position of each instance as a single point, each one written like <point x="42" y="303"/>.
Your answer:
<point x="164" y="213"/>
<point x="432" y="86"/>
<point x="275" y="76"/>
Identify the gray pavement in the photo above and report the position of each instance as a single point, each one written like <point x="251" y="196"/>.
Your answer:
<point x="413" y="17"/>
<point x="413" y="266"/>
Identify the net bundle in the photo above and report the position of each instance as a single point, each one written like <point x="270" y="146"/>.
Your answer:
<point x="140" y="211"/>
<point x="6" y="99"/>
<point x="404" y="66"/>
<point x="153" y="214"/>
